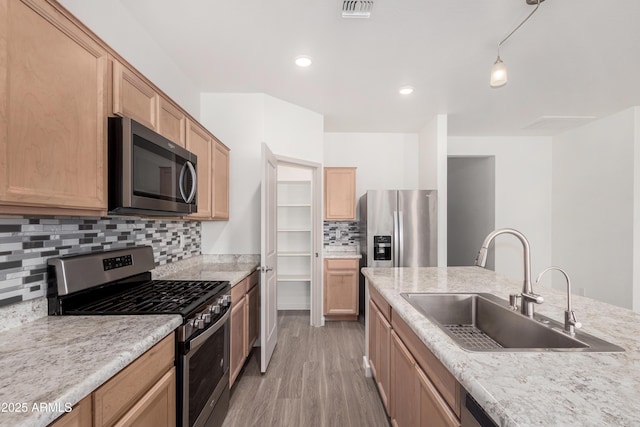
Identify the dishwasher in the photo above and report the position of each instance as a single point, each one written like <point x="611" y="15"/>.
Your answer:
<point x="472" y="414"/>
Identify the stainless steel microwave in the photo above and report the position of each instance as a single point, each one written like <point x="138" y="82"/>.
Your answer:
<point x="148" y="174"/>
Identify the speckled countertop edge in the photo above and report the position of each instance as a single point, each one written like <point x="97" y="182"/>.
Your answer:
<point x="530" y="389"/>
<point x="209" y="267"/>
<point x="61" y="359"/>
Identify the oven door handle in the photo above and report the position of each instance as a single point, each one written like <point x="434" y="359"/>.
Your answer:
<point x="200" y="339"/>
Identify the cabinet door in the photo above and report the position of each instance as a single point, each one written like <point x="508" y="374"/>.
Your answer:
<point x="253" y="304"/>
<point x="199" y="142"/>
<point x="53" y="117"/>
<point x="404" y="412"/>
<point x="340" y="193"/>
<point x="171" y="122"/>
<point x="220" y="181"/>
<point x="134" y="97"/>
<point x="237" y="340"/>
<point x="373" y="342"/>
<point x="80" y="415"/>
<point x="157" y="408"/>
<point x="341" y="288"/>
<point x="433" y="410"/>
<point x="383" y="341"/>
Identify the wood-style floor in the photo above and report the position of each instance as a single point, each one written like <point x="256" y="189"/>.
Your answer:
<point x="315" y="378"/>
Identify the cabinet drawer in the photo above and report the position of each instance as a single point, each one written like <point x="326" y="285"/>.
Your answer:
<point x="382" y="304"/>
<point x="342" y="264"/>
<point x="116" y="396"/>
<point x="239" y="290"/>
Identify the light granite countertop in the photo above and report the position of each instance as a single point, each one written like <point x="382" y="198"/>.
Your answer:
<point x="527" y="388"/>
<point x="207" y="268"/>
<point x="59" y="360"/>
<point x="336" y="252"/>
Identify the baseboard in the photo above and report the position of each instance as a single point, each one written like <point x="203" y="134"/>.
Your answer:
<point x="367" y="367"/>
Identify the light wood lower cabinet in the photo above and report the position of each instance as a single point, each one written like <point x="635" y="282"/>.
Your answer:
<point x="415" y="388"/>
<point x="53" y="112"/>
<point x="244" y="323"/>
<point x="157" y="408"/>
<point x="80" y="415"/>
<point x="143" y="394"/>
<point x="253" y="312"/>
<point x="238" y="338"/>
<point x="341" y="289"/>
<point x="380" y="354"/>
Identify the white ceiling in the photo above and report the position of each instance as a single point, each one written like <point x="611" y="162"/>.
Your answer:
<point x="573" y="58"/>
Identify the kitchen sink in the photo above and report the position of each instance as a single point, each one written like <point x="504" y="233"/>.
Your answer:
<point x="483" y="322"/>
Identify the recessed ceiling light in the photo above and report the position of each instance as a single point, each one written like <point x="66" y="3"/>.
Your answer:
<point x="303" y="61"/>
<point x="406" y="90"/>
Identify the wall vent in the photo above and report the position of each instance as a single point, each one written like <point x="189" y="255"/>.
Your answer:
<point x="356" y="8"/>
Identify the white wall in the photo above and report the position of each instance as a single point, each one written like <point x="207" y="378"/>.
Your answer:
<point x="593" y="205"/>
<point x="114" y="24"/>
<point x="523" y="195"/>
<point x="432" y="173"/>
<point x="243" y="122"/>
<point x="385" y="161"/>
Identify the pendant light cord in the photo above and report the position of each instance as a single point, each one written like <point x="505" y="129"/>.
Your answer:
<point x="518" y="27"/>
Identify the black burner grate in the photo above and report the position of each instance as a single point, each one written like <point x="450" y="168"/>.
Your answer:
<point x="156" y="296"/>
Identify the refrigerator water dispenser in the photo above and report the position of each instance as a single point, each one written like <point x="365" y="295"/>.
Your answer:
<point x="382" y="248"/>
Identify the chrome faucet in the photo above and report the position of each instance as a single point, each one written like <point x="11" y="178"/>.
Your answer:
<point x="570" y="322"/>
<point x="528" y="297"/>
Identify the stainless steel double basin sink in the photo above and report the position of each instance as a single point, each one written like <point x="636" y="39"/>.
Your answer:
<point x="483" y="322"/>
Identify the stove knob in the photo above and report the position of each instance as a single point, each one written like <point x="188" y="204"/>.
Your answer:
<point x="206" y="317"/>
<point x="199" y="323"/>
<point x="215" y="309"/>
<point x="221" y="301"/>
<point x="226" y="300"/>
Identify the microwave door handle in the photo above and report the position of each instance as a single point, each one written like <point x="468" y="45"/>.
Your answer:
<point x="194" y="181"/>
<point x="181" y="181"/>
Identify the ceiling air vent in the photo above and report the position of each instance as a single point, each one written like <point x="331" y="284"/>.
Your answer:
<point x="356" y="8"/>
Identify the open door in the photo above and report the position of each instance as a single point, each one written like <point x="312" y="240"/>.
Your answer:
<point x="268" y="258"/>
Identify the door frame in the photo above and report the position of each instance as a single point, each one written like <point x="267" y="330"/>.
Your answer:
<point x="316" y="317"/>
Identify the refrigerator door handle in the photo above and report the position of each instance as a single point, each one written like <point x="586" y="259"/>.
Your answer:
<point x="396" y="239"/>
<point x="400" y="239"/>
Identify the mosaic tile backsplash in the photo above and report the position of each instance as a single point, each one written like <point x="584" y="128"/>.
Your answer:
<point x="341" y="233"/>
<point x="26" y="244"/>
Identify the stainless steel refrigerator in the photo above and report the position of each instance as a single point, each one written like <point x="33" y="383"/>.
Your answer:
<point x="398" y="228"/>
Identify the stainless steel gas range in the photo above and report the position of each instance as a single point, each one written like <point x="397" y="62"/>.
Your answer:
<point x="119" y="282"/>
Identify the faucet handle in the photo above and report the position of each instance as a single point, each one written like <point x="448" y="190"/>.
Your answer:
<point x="513" y="301"/>
<point x="538" y="299"/>
<point x="570" y="319"/>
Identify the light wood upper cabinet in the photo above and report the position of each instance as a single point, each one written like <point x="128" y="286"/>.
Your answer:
<point x="220" y="205"/>
<point x="53" y="101"/>
<point x="200" y="143"/>
<point x="172" y="122"/>
<point x="341" y="289"/>
<point x="340" y="193"/>
<point x="134" y="97"/>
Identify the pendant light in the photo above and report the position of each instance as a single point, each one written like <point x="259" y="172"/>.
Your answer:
<point x="499" y="69"/>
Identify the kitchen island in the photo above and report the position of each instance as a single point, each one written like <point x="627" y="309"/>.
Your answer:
<point x="529" y="388"/>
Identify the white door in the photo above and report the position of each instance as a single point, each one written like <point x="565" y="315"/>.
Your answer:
<point x="268" y="258"/>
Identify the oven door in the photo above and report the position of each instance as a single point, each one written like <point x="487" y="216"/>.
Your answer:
<point x="205" y="373"/>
